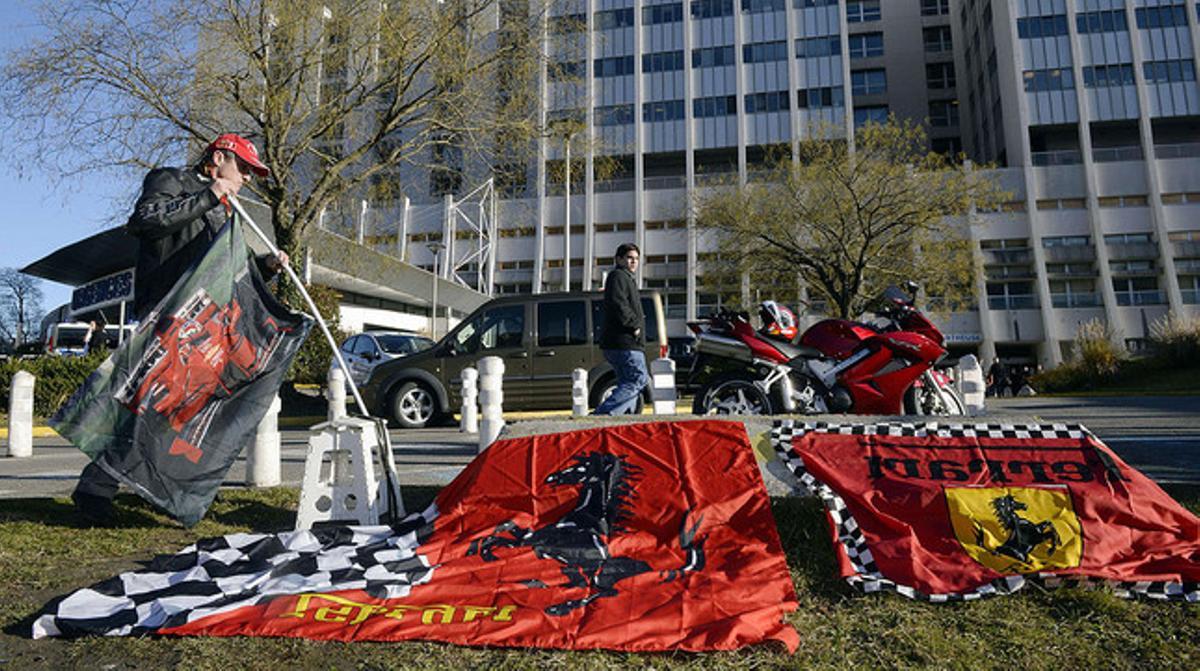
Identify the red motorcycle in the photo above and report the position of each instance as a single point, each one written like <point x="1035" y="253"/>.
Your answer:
<point x="838" y="366"/>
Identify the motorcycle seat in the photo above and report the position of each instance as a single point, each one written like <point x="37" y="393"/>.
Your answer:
<point x="797" y="351"/>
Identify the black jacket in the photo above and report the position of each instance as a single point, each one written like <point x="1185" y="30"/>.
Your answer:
<point x="624" y="321"/>
<point x="175" y="220"/>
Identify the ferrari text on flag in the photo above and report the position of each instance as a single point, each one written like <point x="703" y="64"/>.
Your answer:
<point x="951" y="512"/>
<point x="643" y="537"/>
<point x="170" y="410"/>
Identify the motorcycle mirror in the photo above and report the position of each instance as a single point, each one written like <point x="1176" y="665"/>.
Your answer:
<point x="912" y="288"/>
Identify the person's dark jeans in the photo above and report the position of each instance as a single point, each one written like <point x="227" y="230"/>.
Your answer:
<point x="632" y="377"/>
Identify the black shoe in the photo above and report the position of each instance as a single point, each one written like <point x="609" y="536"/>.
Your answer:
<point x="94" y="511"/>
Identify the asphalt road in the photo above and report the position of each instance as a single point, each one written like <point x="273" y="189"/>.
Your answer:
<point x="1158" y="435"/>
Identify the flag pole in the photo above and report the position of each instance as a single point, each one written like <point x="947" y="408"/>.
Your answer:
<point x="337" y="354"/>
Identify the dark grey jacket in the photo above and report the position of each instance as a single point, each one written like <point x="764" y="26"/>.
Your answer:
<point x="624" y="321"/>
<point x="175" y="220"/>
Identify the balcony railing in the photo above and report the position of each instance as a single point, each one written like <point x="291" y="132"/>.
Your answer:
<point x="1191" y="296"/>
<point x="1075" y="300"/>
<point x="611" y="185"/>
<point x="665" y="182"/>
<point x="1009" y="256"/>
<point x="1186" y="249"/>
<point x="1182" y="150"/>
<point x="1070" y="254"/>
<point x="1132" y="251"/>
<point x="1062" y="157"/>
<point x="1111" y="154"/>
<point x="716" y="178"/>
<point x="1140" y="298"/>
<point x="1013" y="302"/>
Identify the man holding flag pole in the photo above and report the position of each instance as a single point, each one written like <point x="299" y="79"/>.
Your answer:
<point x="192" y="355"/>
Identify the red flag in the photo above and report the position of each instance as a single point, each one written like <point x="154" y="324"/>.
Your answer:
<point x="950" y="512"/>
<point x="642" y="537"/>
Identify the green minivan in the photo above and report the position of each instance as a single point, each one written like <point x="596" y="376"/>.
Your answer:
<point x="542" y="339"/>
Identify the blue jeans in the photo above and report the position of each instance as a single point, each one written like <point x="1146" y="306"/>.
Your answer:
<point x="632" y="376"/>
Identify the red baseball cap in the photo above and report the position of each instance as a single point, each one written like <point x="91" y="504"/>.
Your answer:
<point x="243" y="148"/>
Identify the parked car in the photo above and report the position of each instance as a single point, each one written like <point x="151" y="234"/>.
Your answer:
<point x="67" y="338"/>
<point x="369" y="349"/>
<point x="541" y="337"/>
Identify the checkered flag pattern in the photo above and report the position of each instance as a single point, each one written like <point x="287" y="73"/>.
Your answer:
<point x="867" y="577"/>
<point x="218" y="575"/>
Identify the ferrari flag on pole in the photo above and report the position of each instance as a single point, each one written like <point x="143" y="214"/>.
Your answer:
<point x="170" y="410"/>
<point x="640" y="537"/>
<point x="948" y="512"/>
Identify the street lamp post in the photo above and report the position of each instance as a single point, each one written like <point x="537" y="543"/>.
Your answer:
<point x="567" y="223"/>
<point x="436" y="248"/>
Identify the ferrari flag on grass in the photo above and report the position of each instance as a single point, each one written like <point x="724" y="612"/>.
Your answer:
<point x="170" y="410"/>
<point x="947" y="512"/>
<point x="640" y="537"/>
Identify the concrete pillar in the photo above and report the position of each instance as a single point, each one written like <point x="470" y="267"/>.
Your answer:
<point x="263" y="467"/>
<point x="20" y="415"/>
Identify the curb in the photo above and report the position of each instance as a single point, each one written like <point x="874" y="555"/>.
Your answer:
<point x="38" y="432"/>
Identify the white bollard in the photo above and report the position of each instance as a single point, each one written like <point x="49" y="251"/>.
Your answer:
<point x="20" y="415"/>
<point x="491" y="400"/>
<point x="263" y="468"/>
<point x="662" y="386"/>
<point x="579" y="392"/>
<point x="470" y="395"/>
<point x="971" y="384"/>
<point x="336" y="393"/>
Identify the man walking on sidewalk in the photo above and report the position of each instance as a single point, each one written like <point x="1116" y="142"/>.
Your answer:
<point x="623" y="341"/>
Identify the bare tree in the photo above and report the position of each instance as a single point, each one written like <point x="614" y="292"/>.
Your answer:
<point x="20" y="305"/>
<point x="849" y="223"/>
<point x="342" y="96"/>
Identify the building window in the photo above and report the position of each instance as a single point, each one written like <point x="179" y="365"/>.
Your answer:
<point x="663" y="61"/>
<point x="825" y="96"/>
<point x="872" y="114"/>
<point x="813" y="47"/>
<point x="662" y="14"/>
<point x="1128" y="239"/>
<point x="567" y="23"/>
<point x="1161" y="72"/>
<point x="613" y="115"/>
<point x="769" y="101"/>
<point x="710" y="9"/>
<point x="613" y="67"/>
<point x="1049" y="80"/>
<point x="935" y="7"/>
<point x="866" y="45"/>
<point x="1107" y="21"/>
<point x="758" y="6"/>
<point x="951" y="147"/>
<point x="862" y="11"/>
<point x="937" y="40"/>
<point x="565" y="71"/>
<point x="1065" y="240"/>
<point x="763" y="52"/>
<point x="1042" y="26"/>
<point x="711" y="57"/>
<point x="715" y="106"/>
<point x="1122" y="201"/>
<point x="1095" y="76"/>
<point x="868" y="82"/>
<point x="665" y="110"/>
<point x="808" y="4"/>
<point x="614" y="18"/>
<point x="940" y="76"/>
<point x="1162" y="17"/>
<point x="943" y="113"/>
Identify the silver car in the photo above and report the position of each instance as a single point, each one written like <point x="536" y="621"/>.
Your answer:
<point x="369" y="349"/>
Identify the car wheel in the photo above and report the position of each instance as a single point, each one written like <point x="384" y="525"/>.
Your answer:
<point x="413" y="406"/>
<point x="605" y="389"/>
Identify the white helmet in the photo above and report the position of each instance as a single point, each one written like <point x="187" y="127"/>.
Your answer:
<point x="778" y="320"/>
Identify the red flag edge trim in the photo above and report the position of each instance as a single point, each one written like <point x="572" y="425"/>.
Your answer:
<point x="869" y="580"/>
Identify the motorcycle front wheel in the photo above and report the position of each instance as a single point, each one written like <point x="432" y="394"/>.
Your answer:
<point x="732" y="395"/>
<point x="931" y="400"/>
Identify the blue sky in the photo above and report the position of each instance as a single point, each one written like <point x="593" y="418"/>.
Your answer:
<point x="42" y="211"/>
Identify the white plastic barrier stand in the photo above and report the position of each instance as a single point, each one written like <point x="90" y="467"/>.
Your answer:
<point x="662" y="386"/>
<point x="491" y="400"/>
<point x="263" y="468"/>
<point x="20" y="415"/>
<point x="335" y="392"/>
<point x="340" y="477"/>
<point x="971" y="384"/>
<point x="470" y="396"/>
<point x="579" y="392"/>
